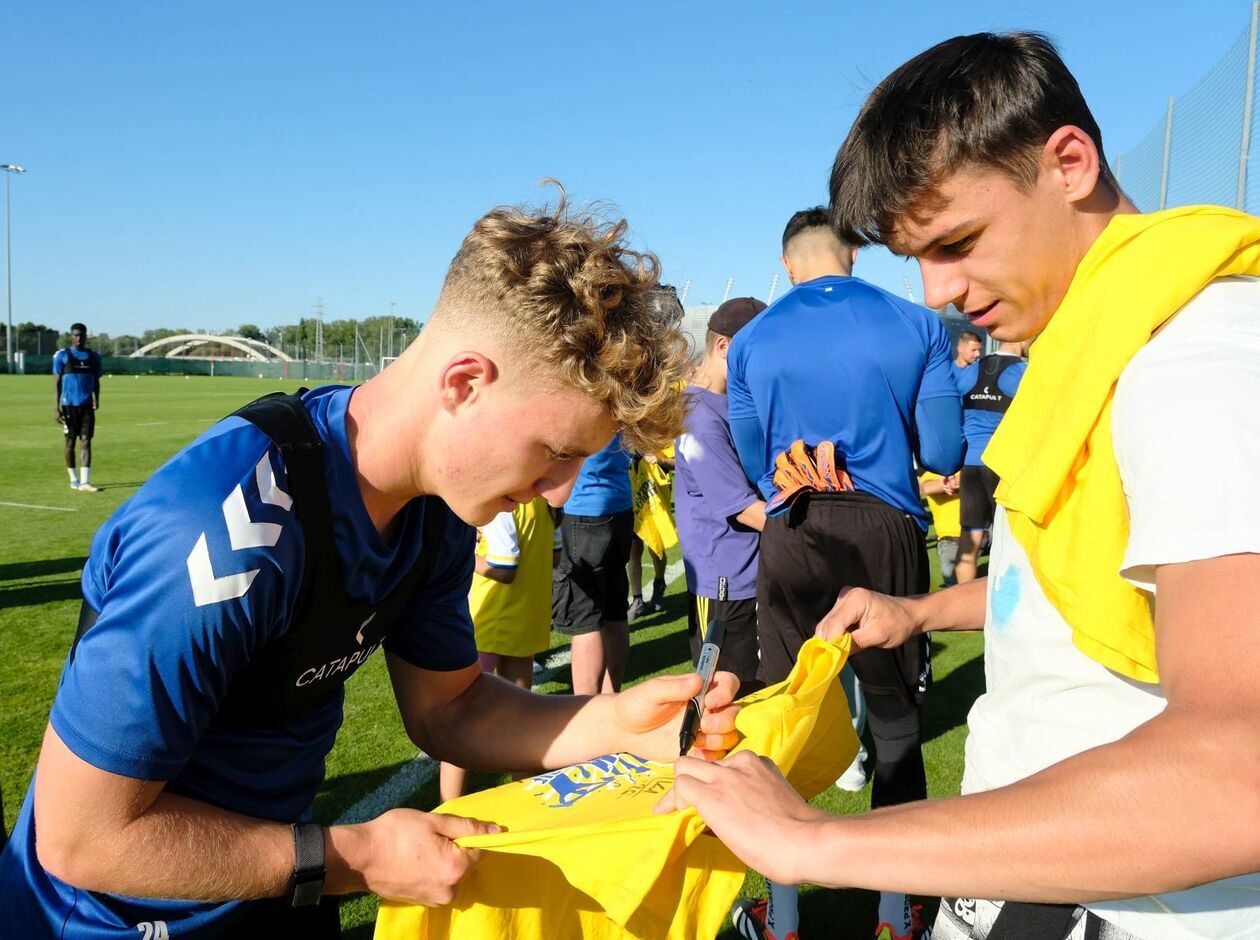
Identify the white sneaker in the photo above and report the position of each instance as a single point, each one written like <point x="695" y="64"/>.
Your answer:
<point x="87" y="488"/>
<point x="74" y="484"/>
<point x="854" y="779"/>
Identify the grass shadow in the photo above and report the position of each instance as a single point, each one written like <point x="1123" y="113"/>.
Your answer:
<point x="950" y="699"/>
<point x="44" y="593"/>
<point x="22" y="570"/>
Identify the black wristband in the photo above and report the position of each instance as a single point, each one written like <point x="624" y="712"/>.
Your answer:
<point x="307" y="883"/>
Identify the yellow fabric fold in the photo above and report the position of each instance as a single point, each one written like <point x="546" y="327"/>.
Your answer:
<point x="583" y="855"/>
<point x="652" y="486"/>
<point x="1053" y="451"/>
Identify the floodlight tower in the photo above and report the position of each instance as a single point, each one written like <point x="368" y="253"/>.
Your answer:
<point x="774" y="286"/>
<point x="319" y="329"/>
<point x="730" y="282"/>
<point x="9" y="170"/>
<point x="909" y="290"/>
<point x="682" y="298"/>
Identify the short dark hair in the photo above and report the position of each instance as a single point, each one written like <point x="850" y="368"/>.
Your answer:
<point x="990" y="99"/>
<point x="816" y="217"/>
<point x="970" y="336"/>
<point x="80" y="327"/>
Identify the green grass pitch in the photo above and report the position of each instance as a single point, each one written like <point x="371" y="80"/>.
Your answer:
<point x="142" y="422"/>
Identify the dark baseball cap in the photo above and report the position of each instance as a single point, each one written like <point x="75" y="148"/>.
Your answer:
<point x="733" y="316"/>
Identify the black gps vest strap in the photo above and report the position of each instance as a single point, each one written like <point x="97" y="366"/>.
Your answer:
<point x="987" y="394"/>
<point x="329" y="635"/>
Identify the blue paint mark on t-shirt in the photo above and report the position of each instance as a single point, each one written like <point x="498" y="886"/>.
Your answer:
<point x="1005" y="596"/>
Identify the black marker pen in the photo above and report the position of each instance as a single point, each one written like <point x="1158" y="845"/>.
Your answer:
<point x="706" y="667"/>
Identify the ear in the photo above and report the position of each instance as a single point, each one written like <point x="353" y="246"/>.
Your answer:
<point x="464" y="379"/>
<point x="787" y="267"/>
<point x="722" y="346"/>
<point x="1071" y="155"/>
<point x="852" y="257"/>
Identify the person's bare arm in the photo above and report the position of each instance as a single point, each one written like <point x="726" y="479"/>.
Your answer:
<point x="754" y="516"/>
<point x="57" y="398"/>
<point x="482" y="722"/>
<point x="880" y="620"/>
<point x="101" y="831"/>
<point x="487" y="570"/>
<point x="1113" y="821"/>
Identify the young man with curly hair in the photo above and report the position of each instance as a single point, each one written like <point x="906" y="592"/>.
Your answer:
<point x="1112" y="778"/>
<point x="227" y="602"/>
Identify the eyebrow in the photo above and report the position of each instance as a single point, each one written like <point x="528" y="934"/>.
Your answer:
<point x="566" y="449"/>
<point x="949" y="235"/>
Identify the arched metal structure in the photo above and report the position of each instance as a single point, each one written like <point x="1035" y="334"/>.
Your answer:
<point x="183" y="343"/>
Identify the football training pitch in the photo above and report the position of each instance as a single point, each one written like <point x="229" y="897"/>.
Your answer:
<point x="45" y="532"/>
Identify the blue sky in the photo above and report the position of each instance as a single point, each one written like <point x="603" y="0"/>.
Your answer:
<point x="204" y="165"/>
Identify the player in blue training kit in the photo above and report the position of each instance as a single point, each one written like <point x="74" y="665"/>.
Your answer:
<point x="228" y="601"/>
<point x="78" y="396"/>
<point x="987" y="387"/>
<point x="837" y="361"/>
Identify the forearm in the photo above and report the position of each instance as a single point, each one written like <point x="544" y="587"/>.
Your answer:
<point x="754" y="516"/>
<point x="1111" y="822"/>
<point x="957" y="608"/>
<point x="184" y="848"/>
<point x="497" y="726"/>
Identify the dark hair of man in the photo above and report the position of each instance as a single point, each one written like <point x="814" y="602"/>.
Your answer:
<point x="80" y="327"/>
<point x="817" y="217"/>
<point x="989" y="100"/>
<point x="967" y="336"/>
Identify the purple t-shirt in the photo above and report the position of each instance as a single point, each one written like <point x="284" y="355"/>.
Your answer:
<point x="710" y="489"/>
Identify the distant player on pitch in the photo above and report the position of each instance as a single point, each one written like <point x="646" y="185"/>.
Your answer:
<point x="77" y="371"/>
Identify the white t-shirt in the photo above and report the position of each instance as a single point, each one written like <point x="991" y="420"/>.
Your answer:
<point x="1186" y="428"/>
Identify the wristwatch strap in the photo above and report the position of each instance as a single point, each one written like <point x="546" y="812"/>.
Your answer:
<point x="308" y="865"/>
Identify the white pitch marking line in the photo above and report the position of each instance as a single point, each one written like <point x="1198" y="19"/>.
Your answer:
<point x="149" y="424"/>
<point x="414" y="774"/>
<point x="31" y="506"/>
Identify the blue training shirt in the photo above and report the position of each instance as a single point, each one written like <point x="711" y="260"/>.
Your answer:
<point x="603" y="484"/>
<point x="839" y="359"/>
<point x="180" y="609"/>
<point x="80" y="369"/>
<point x="978" y="424"/>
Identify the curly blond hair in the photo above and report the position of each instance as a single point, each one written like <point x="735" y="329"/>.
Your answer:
<point x="568" y="292"/>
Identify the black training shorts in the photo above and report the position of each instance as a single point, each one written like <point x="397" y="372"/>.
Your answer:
<point x="80" y="420"/>
<point x="827" y="541"/>
<point x="739" y="645"/>
<point x="978" y="484"/>
<point x="590" y="584"/>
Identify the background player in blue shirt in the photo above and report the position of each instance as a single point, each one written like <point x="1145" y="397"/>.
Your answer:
<point x="188" y="736"/>
<point x="78" y="381"/>
<point x="987" y="387"/>
<point x="589" y="603"/>
<point x="839" y="360"/>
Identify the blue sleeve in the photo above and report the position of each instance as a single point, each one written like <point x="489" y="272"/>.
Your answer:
<point x="750" y="444"/>
<point x="1009" y="380"/>
<point x="938" y="370"/>
<point x="59" y="362"/>
<point x="435" y="628"/>
<point x="746" y="430"/>
<point x="939" y="425"/>
<point x="180" y="609"/>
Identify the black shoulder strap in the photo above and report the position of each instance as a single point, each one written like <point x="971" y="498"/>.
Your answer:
<point x="285" y="420"/>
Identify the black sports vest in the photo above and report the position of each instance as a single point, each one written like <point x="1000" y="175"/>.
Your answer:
<point x="329" y="635"/>
<point x="986" y="394"/>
